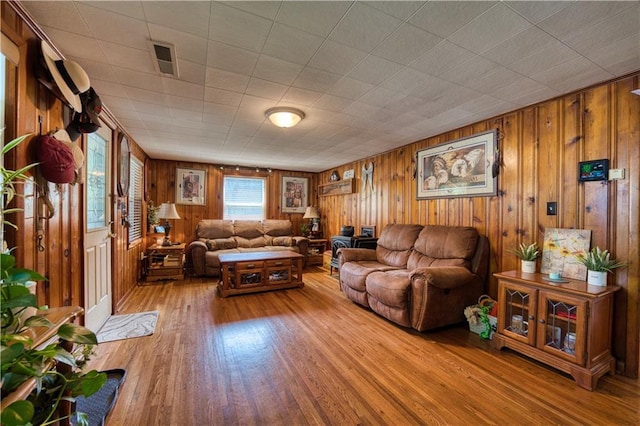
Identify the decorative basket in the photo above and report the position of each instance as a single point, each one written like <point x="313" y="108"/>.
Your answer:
<point x="479" y="327"/>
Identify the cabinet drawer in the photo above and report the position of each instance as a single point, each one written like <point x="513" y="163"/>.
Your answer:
<point x="277" y="263"/>
<point x="164" y="271"/>
<point x="247" y="266"/>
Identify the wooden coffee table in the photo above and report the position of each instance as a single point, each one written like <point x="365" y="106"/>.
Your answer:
<point x="259" y="271"/>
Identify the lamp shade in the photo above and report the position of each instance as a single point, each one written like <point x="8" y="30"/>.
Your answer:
<point x="284" y="116"/>
<point x="311" y="213"/>
<point x="168" y="211"/>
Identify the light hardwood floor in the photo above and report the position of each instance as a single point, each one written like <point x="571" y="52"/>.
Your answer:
<point x="310" y="356"/>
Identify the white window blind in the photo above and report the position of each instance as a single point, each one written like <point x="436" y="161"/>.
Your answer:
<point x="244" y="198"/>
<point x="135" y="199"/>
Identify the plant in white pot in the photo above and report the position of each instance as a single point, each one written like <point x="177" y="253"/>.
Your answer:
<point x="598" y="263"/>
<point x="527" y="253"/>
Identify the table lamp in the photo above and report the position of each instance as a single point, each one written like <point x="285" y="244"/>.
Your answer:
<point x="312" y="213"/>
<point x="167" y="211"/>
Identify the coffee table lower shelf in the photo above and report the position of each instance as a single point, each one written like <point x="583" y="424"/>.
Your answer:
<point x="243" y="273"/>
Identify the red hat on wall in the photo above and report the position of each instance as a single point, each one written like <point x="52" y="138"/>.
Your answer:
<point x="56" y="160"/>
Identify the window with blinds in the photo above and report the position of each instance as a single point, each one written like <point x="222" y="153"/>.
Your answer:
<point x="244" y="198"/>
<point x="135" y="199"/>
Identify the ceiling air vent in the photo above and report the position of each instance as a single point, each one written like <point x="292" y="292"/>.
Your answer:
<point x="164" y="55"/>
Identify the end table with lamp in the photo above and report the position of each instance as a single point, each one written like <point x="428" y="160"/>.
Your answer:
<point x="167" y="211"/>
<point x="313" y="214"/>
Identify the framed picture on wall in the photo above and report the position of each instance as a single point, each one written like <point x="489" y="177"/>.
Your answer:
<point x="190" y="186"/>
<point x="461" y="168"/>
<point x="295" y="194"/>
<point x="124" y="157"/>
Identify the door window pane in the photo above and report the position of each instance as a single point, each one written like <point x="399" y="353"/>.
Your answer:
<point x="96" y="181"/>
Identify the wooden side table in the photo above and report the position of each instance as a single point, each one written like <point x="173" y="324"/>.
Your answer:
<point x="165" y="262"/>
<point x="317" y="247"/>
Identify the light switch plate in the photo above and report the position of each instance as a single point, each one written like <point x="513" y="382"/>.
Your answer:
<point x="616" y="174"/>
<point x="552" y="208"/>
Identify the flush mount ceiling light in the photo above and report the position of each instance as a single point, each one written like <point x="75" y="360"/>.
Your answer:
<point x="284" y="116"/>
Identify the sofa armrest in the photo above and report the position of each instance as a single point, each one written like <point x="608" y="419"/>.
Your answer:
<point x="444" y="277"/>
<point x="303" y="245"/>
<point x="195" y="254"/>
<point x="355" y="255"/>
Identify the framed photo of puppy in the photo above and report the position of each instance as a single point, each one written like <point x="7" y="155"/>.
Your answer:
<point x="461" y="168"/>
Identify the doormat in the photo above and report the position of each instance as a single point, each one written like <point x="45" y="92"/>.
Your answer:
<point x="128" y="326"/>
<point x="98" y="405"/>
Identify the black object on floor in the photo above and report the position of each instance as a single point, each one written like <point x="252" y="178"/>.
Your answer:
<point x="98" y="405"/>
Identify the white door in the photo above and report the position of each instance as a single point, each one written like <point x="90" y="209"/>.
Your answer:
<point x="97" y="236"/>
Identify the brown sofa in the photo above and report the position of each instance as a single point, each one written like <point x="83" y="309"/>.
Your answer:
<point x="216" y="236"/>
<point x="418" y="276"/>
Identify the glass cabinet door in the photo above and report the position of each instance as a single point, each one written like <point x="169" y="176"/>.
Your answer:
<point x="564" y="320"/>
<point x="517" y="311"/>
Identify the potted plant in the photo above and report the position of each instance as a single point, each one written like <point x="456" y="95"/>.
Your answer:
<point x="598" y="263"/>
<point x="21" y="360"/>
<point x="527" y="253"/>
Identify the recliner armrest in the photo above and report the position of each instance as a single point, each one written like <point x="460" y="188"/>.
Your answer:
<point x="444" y="277"/>
<point x="194" y="254"/>
<point x="303" y="245"/>
<point x="346" y="254"/>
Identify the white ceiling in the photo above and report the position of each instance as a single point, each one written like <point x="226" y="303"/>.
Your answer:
<point x="369" y="75"/>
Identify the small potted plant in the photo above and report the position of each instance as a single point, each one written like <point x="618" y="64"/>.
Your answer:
<point x="527" y="253"/>
<point x="598" y="263"/>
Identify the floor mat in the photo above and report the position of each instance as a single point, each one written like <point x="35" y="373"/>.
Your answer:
<point x="98" y="405"/>
<point x="128" y="326"/>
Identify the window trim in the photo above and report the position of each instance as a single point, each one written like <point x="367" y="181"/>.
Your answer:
<point x="264" y="194"/>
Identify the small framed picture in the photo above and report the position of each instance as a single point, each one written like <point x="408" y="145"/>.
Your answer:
<point x="295" y="192"/>
<point x="368" y="231"/>
<point x="190" y="186"/>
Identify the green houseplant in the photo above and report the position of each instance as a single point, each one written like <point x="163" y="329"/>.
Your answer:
<point x="598" y="263"/>
<point x="527" y="253"/>
<point x="20" y="360"/>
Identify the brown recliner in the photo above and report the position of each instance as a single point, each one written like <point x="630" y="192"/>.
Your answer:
<point x="445" y="271"/>
<point x="392" y="252"/>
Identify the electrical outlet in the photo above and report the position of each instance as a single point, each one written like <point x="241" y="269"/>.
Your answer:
<point x="552" y="208"/>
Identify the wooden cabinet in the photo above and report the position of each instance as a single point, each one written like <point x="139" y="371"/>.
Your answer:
<point x="564" y="325"/>
<point x="165" y="262"/>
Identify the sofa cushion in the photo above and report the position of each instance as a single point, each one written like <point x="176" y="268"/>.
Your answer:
<point x="439" y="245"/>
<point x="221" y="244"/>
<point x="283" y="241"/>
<point x="395" y="244"/>
<point x="277" y="228"/>
<point x="248" y="228"/>
<point x="214" y="228"/>
<point x="260" y="241"/>
<point x="388" y="294"/>
<point x="354" y="274"/>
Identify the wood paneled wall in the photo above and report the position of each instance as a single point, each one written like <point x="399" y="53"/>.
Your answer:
<point x="37" y="109"/>
<point x="161" y="187"/>
<point x="540" y="148"/>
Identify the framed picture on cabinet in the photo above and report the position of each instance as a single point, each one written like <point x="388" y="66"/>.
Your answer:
<point x="295" y="193"/>
<point x="462" y="168"/>
<point x="190" y="186"/>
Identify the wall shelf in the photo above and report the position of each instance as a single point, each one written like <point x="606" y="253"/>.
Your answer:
<point x="340" y="187"/>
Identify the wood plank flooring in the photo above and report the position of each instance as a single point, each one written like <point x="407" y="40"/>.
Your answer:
<point x="310" y="356"/>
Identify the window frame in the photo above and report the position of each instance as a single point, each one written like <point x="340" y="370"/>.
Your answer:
<point x="264" y="196"/>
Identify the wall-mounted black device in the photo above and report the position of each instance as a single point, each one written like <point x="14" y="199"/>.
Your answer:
<point x="593" y="170"/>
